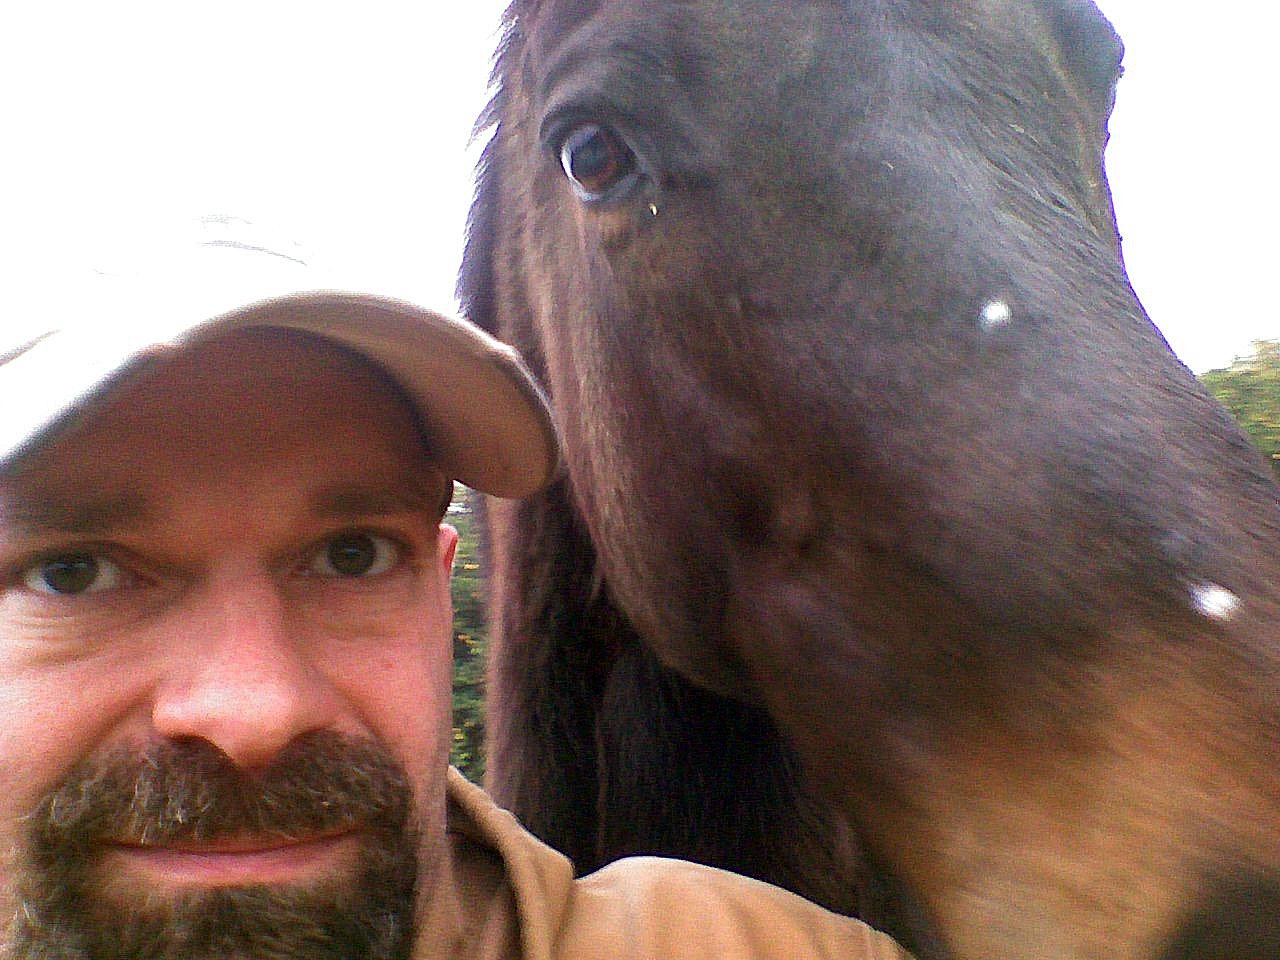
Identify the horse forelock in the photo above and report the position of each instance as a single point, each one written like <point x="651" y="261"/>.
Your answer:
<point x="475" y="287"/>
<point x="1091" y="48"/>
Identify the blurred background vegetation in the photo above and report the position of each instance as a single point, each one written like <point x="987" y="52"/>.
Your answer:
<point x="469" y="637"/>
<point x="1249" y="388"/>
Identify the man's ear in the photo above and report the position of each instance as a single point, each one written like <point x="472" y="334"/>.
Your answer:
<point x="447" y="546"/>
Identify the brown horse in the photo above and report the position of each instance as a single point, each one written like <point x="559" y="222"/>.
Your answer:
<point x="897" y="559"/>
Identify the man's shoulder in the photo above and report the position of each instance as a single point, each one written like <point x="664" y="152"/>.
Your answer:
<point x="652" y="906"/>
<point x="640" y="907"/>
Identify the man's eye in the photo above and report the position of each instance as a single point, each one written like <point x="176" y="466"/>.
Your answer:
<point x="355" y="555"/>
<point x="69" y="574"/>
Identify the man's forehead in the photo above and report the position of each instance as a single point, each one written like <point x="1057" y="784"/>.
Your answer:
<point x="335" y="433"/>
<point x="33" y="506"/>
<point x="190" y="391"/>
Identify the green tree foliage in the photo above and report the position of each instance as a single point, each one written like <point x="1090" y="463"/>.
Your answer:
<point x="469" y="639"/>
<point x="1250" y="389"/>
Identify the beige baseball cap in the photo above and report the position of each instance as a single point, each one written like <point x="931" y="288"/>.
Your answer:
<point x="63" y="348"/>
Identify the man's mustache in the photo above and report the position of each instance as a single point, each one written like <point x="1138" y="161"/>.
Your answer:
<point x="190" y="792"/>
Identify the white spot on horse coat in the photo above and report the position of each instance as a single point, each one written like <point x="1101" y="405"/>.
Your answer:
<point x="1214" y="602"/>
<point x="994" y="314"/>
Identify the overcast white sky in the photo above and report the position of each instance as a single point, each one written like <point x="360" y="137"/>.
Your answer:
<point x="346" y="126"/>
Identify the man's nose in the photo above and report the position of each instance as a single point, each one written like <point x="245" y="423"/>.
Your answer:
<point x="241" y="678"/>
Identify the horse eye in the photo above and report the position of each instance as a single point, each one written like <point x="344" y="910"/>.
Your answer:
<point x="596" y="160"/>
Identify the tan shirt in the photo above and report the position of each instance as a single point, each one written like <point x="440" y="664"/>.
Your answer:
<point x="518" y="900"/>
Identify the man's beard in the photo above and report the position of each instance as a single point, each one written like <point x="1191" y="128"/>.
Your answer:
<point x="191" y="793"/>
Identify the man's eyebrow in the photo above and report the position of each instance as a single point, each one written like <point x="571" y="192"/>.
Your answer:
<point x="42" y="512"/>
<point x="339" y="501"/>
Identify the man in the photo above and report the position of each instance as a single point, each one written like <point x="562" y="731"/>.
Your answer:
<point x="225" y="638"/>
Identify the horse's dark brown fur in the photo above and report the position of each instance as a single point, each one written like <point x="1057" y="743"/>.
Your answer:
<point x="897" y="559"/>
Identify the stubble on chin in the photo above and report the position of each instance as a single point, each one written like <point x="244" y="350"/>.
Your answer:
<point x="65" y="907"/>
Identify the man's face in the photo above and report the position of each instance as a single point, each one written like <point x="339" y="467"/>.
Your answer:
<point x="224" y="665"/>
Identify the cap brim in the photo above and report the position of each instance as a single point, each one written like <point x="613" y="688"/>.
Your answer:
<point x="486" y="419"/>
